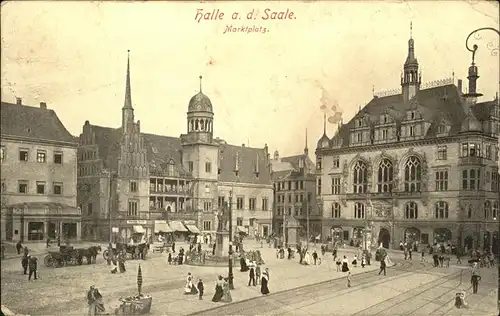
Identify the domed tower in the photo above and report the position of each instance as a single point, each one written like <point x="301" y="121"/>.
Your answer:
<point x="411" y="79"/>
<point x="200" y="152"/>
<point x="200" y="117"/>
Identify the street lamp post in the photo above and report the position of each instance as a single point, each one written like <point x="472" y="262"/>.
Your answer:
<point x="307" y="224"/>
<point x="230" y="276"/>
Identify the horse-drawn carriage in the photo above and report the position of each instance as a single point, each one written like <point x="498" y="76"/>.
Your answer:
<point x="137" y="251"/>
<point x="70" y="255"/>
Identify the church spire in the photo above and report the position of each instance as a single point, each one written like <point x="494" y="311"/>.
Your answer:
<point x="306" y="149"/>
<point x="127" y="110"/>
<point x="324" y="124"/>
<point x="128" y="93"/>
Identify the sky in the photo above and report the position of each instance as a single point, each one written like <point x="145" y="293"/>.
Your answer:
<point x="266" y="88"/>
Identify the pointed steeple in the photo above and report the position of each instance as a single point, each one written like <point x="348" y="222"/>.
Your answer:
<point x="127" y="110"/>
<point x="306" y="149"/>
<point x="128" y="93"/>
<point x="411" y="79"/>
<point x="324" y="124"/>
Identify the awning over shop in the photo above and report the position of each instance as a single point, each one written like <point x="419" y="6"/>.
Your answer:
<point x="193" y="229"/>
<point x="242" y="229"/>
<point x="177" y="226"/>
<point x="138" y="229"/>
<point x="163" y="227"/>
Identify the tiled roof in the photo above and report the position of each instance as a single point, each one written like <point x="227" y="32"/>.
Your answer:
<point x="281" y="175"/>
<point x="161" y="149"/>
<point x="295" y="162"/>
<point x="247" y="157"/>
<point x="33" y="122"/>
<point x="434" y="104"/>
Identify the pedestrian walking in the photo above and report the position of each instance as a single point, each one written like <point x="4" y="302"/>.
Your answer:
<point x="459" y="261"/>
<point x="47" y="243"/>
<point x="24" y="264"/>
<point x="349" y="279"/>
<point x="19" y="246"/>
<point x="258" y="273"/>
<point x="251" y="276"/>
<point x="355" y="261"/>
<point x="409" y="253"/>
<point x="338" y="263"/>
<point x="201" y="289"/>
<point x="422" y="259"/>
<point x="33" y="267"/>
<point x="169" y="259"/>
<point x="475" y="278"/>
<point x="382" y="267"/>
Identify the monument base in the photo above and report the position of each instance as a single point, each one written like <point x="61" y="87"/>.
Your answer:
<point x="222" y="244"/>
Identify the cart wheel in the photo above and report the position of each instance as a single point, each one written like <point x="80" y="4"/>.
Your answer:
<point x="48" y="261"/>
<point x="105" y="255"/>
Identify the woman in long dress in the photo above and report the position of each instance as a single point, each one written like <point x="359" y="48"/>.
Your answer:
<point x="264" y="289"/>
<point x="190" y="288"/>
<point x="226" y="296"/>
<point x="307" y="259"/>
<point x="218" y="290"/>
<point x="345" y="264"/>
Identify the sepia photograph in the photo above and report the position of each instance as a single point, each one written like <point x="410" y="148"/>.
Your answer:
<point x="250" y="158"/>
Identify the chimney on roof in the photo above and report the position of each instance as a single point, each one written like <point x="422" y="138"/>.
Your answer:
<point x="19" y="101"/>
<point x="242" y="145"/>
<point x="459" y="86"/>
<point x="43" y="105"/>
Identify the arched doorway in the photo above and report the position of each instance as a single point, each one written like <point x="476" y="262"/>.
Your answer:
<point x="412" y="235"/>
<point x="494" y="243"/>
<point x="357" y="236"/>
<point x="384" y="238"/>
<point x="468" y="242"/>
<point x="442" y="235"/>
<point x="336" y="233"/>
<point x="486" y="240"/>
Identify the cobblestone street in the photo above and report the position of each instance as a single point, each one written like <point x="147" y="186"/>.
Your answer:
<point x="417" y="287"/>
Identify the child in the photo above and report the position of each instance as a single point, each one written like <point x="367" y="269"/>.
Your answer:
<point x="355" y="261"/>
<point x="363" y="261"/>
<point x="348" y="279"/>
<point x="338" y="263"/>
<point x="201" y="288"/>
<point x="447" y="260"/>
<point x="169" y="258"/>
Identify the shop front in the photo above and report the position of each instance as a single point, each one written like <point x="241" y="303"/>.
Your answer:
<point x="136" y="231"/>
<point x="35" y="222"/>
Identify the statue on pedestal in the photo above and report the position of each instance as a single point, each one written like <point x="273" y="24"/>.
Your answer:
<point x="223" y="218"/>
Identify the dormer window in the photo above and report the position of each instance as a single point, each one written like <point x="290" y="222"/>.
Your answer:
<point x="441" y="129"/>
<point x="359" y="122"/>
<point x="412" y="115"/>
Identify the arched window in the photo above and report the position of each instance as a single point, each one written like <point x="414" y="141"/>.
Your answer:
<point x="413" y="174"/>
<point x="360" y="177"/>
<point x="335" y="210"/>
<point x="495" y="210"/>
<point x="469" y="211"/>
<point x="441" y="210"/>
<point x="385" y="176"/>
<point x="411" y="210"/>
<point x="359" y="210"/>
<point x="487" y="210"/>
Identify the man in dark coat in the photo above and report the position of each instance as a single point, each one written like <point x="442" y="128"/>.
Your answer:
<point x="24" y="264"/>
<point x="251" y="276"/>
<point x="382" y="267"/>
<point x="19" y="246"/>
<point x="33" y="267"/>
<point x="201" y="289"/>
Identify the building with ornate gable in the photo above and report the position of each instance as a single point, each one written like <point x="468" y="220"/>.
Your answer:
<point x="416" y="166"/>
<point x="294" y="179"/>
<point x="38" y="170"/>
<point x="134" y="181"/>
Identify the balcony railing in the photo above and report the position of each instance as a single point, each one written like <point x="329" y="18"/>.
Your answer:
<point x="179" y="191"/>
<point x="471" y="160"/>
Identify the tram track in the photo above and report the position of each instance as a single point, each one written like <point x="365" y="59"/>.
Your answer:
<point x="280" y="302"/>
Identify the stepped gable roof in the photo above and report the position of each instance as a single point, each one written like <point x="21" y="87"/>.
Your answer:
<point x="433" y="104"/>
<point x="33" y="122"/>
<point x="108" y="143"/>
<point x="163" y="148"/>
